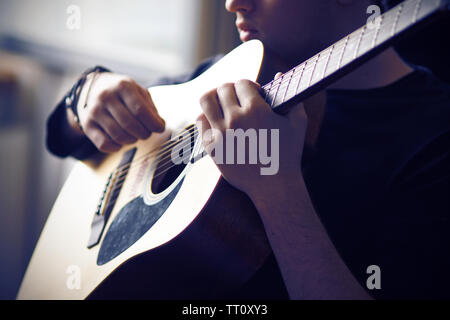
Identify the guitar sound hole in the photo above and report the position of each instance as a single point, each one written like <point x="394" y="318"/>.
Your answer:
<point x="167" y="171"/>
<point x="163" y="179"/>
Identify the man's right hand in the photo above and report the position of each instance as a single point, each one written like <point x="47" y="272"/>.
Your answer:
<point x="118" y="111"/>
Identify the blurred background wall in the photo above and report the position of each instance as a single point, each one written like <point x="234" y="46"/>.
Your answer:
<point x="44" y="46"/>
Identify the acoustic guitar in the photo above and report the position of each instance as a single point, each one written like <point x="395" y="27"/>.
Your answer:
<point x="136" y="224"/>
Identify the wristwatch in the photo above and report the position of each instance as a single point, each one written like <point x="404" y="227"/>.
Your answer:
<point x="72" y="97"/>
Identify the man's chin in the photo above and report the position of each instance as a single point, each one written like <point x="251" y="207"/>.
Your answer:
<point x="248" y="35"/>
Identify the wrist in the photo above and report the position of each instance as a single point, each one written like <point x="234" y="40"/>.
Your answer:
<point x="73" y="98"/>
<point x="74" y="127"/>
<point x="83" y="95"/>
<point x="276" y="188"/>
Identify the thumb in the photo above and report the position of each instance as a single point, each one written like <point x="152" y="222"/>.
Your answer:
<point x="279" y="74"/>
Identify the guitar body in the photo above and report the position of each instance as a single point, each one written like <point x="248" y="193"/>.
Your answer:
<point x="197" y="237"/>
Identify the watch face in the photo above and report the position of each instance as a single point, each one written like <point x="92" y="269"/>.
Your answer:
<point x="68" y="101"/>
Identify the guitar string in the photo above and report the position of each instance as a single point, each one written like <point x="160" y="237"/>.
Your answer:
<point x="117" y="180"/>
<point x="167" y="145"/>
<point x="166" y="152"/>
<point x="161" y="160"/>
<point x="116" y="184"/>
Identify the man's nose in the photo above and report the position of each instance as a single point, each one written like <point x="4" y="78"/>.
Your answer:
<point x="242" y="6"/>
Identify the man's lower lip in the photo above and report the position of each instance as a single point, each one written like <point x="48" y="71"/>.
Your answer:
<point x="247" y="35"/>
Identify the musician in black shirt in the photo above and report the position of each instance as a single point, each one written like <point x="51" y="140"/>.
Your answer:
<point x="364" y="174"/>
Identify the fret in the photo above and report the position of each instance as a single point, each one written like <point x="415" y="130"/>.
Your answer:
<point x="282" y="88"/>
<point x="335" y="57"/>
<point x="406" y="15"/>
<point x="342" y="53"/>
<point x="270" y="92"/>
<point x="276" y="83"/>
<point x="416" y="10"/>
<point x="297" y="87"/>
<point x="270" y="85"/>
<point x="276" y="87"/>
<point x="270" y="98"/>
<point x="274" y="103"/>
<point x="320" y="66"/>
<point x="307" y="73"/>
<point x="267" y="90"/>
<point x="367" y="40"/>
<point x="377" y="31"/>
<point x="426" y="7"/>
<point x="359" y="41"/>
<point x="313" y="69"/>
<point x="350" y="48"/>
<point x="397" y="16"/>
<point x="289" y="83"/>
<point x="384" y="32"/>
<point x="290" y="92"/>
<point x="328" y="61"/>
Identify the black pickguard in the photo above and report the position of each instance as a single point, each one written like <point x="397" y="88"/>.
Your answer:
<point x="132" y="222"/>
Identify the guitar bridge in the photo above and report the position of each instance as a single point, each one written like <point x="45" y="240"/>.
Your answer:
<point x="109" y="196"/>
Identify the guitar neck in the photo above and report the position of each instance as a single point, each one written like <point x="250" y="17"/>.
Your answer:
<point x="350" y="52"/>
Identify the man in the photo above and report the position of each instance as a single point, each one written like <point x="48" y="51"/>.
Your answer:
<point x="372" y="193"/>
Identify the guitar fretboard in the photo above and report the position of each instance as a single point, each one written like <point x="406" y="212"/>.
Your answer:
<point x="351" y="51"/>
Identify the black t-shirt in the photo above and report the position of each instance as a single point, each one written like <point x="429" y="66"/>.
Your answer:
<point x="380" y="181"/>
